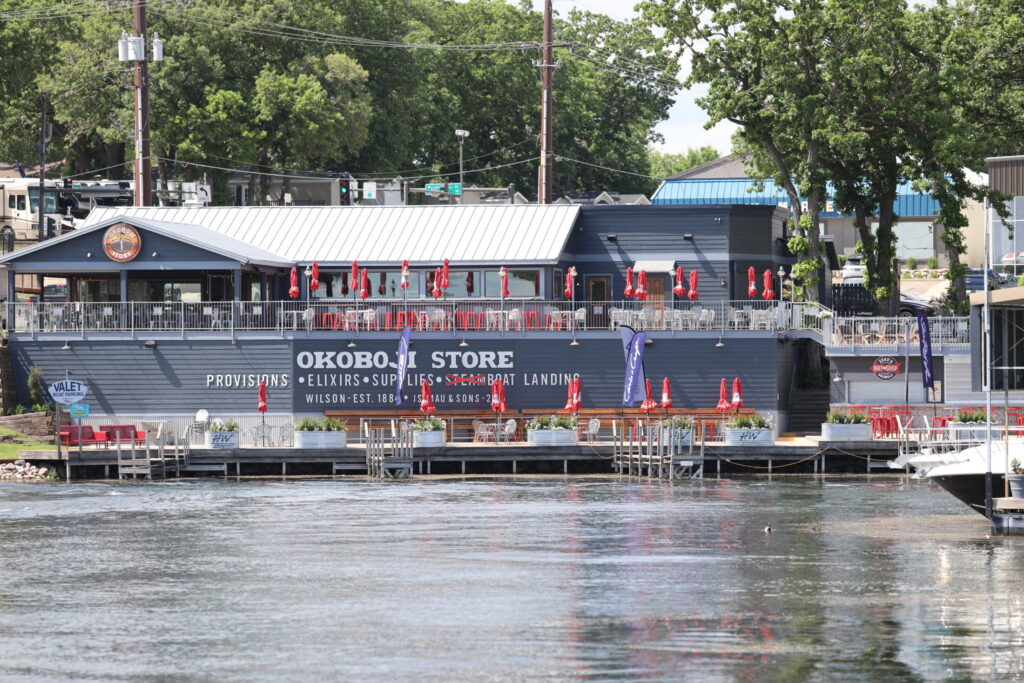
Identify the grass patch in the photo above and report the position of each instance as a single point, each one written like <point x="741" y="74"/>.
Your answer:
<point x="9" y="449"/>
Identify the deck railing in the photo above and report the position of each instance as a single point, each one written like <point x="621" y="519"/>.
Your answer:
<point x="456" y="316"/>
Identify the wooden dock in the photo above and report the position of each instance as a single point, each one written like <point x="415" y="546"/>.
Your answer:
<point x="806" y="456"/>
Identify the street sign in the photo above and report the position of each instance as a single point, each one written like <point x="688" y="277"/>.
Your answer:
<point x="454" y="188"/>
<point x="369" y="190"/>
<point x="68" y="391"/>
<point x="434" y="188"/>
<point x="78" y="410"/>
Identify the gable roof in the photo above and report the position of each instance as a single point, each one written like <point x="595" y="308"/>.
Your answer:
<point x="194" y="235"/>
<point x="378" y="234"/>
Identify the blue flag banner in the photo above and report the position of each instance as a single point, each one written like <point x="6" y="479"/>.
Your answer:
<point x="927" y="376"/>
<point x="633" y="345"/>
<point x="402" y="364"/>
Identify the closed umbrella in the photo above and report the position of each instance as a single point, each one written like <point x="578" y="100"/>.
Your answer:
<point x="314" y="283"/>
<point x="768" y="292"/>
<point x="723" y="399"/>
<point x="293" y="290"/>
<point x="498" y="404"/>
<point x="503" y="274"/>
<point x="404" y="284"/>
<point x="570" y="286"/>
<point x="751" y="282"/>
<point x="353" y="279"/>
<point x="737" y="393"/>
<point x="628" y="291"/>
<point x="649" y="403"/>
<point x="444" y="275"/>
<point x="641" y="286"/>
<point x="261" y="405"/>
<point x="680" y="288"/>
<point x="572" y="401"/>
<point x="577" y="397"/>
<point x="693" y="285"/>
<point x="427" y="399"/>
<point x="364" y="286"/>
<point x="666" y="394"/>
<point x="438" y="279"/>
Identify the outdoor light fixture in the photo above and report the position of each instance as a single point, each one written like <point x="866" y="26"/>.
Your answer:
<point x="720" y="343"/>
<point x="722" y="282"/>
<point x="308" y="272"/>
<point x="352" y="343"/>
<point x="67" y="346"/>
<point x="612" y="237"/>
<point x="574" y="342"/>
<point x="155" y="254"/>
<point x="88" y="254"/>
<point x="838" y="377"/>
<point x="648" y="342"/>
<point x="150" y="344"/>
<point x="463" y="342"/>
<point x="688" y="236"/>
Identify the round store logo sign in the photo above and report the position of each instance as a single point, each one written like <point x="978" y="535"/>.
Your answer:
<point x="886" y="367"/>
<point x="122" y="243"/>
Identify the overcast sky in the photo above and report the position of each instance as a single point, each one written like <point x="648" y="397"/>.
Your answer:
<point x="684" y="127"/>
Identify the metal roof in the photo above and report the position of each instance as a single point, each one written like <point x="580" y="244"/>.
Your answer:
<point x="379" y="234"/>
<point x="908" y="203"/>
<point x="195" y="235"/>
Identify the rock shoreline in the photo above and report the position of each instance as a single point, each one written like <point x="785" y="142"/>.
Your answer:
<point x="22" y="470"/>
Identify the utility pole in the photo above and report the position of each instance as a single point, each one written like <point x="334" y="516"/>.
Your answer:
<point x="43" y="139"/>
<point x="143" y="182"/>
<point x="544" y="179"/>
<point x="461" y="135"/>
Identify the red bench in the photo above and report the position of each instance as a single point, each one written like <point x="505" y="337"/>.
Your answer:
<point x="126" y="433"/>
<point x="73" y="435"/>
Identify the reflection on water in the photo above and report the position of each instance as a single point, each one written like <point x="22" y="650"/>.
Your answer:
<point x="505" y="578"/>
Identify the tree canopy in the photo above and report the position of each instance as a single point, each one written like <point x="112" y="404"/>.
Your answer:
<point x="372" y="87"/>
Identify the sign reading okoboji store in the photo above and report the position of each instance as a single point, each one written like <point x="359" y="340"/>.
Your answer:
<point x="121" y="242"/>
<point x="329" y="375"/>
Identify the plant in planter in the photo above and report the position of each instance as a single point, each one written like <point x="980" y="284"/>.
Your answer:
<point x="840" y="426"/>
<point x="428" y="432"/>
<point x="965" y="424"/>
<point x="222" y="434"/>
<point x="744" y="430"/>
<point x="678" y="429"/>
<point x="328" y="432"/>
<point x="551" y="431"/>
<point x="1016" y="479"/>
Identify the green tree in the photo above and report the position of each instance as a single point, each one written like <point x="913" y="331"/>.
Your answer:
<point x="665" y="164"/>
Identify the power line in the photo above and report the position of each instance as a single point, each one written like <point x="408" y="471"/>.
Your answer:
<point x="560" y="157"/>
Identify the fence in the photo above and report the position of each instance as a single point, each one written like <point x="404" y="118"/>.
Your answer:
<point x="945" y="332"/>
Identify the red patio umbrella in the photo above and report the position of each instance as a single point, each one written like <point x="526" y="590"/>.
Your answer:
<point x="405" y="275"/>
<point x="314" y="283"/>
<point x="444" y="275"/>
<point x="573" y="398"/>
<point x="498" y="396"/>
<point x="261" y="397"/>
<point x="649" y="403"/>
<point x="427" y="399"/>
<point x="437" y="291"/>
<point x="680" y="288"/>
<point x="666" y="394"/>
<point x="628" y="291"/>
<point x="353" y="278"/>
<point x="570" y="286"/>
<point x="693" y="285"/>
<point x="641" y="286"/>
<point x="723" y="400"/>
<point x="293" y="291"/>
<point x="364" y="286"/>
<point x="768" y="292"/>
<point x="751" y="282"/>
<point x="737" y="393"/>
<point x="503" y="273"/>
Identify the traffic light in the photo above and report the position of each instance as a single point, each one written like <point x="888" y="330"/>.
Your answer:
<point x="346" y="196"/>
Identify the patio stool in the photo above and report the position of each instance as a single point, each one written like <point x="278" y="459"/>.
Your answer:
<point x="480" y="319"/>
<point x="327" y="320"/>
<point x="532" y="319"/>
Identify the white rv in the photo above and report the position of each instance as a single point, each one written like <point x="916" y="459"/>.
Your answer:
<point x="19" y="210"/>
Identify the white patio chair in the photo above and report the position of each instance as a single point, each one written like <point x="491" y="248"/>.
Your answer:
<point x="510" y="429"/>
<point x="307" y="318"/>
<point x="515" y="319"/>
<point x="593" y="427"/>
<point x="580" y="317"/>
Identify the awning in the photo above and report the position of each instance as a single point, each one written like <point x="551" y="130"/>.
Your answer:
<point x="655" y="266"/>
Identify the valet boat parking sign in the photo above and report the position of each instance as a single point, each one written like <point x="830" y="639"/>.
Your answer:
<point x="68" y="391"/>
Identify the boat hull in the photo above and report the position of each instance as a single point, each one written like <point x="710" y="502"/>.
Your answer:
<point x="970" y="488"/>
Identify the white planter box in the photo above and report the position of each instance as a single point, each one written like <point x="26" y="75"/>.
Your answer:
<point x="748" y="437"/>
<point x="551" y="437"/>
<point x="221" y="439"/>
<point x="321" y="439"/>
<point x="970" y="431"/>
<point x="432" y="439"/>
<point x="680" y="437"/>
<point x="847" y="432"/>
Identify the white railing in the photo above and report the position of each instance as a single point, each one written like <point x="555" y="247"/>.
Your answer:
<point x="456" y="316"/>
<point x="852" y="332"/>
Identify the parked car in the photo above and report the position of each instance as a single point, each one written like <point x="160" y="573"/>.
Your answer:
<point x="852" y="269"/>
<point x="57" y="293"/>
<point x="973" y="281"/>
<point x="858" y="301"/>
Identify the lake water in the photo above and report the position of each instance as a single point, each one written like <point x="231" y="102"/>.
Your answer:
<point x="505" y="579"/>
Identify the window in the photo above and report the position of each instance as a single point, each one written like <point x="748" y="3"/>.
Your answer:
<point x="383" y="284"/>
<point x="51" y="201"/>
<point x="558" y="286"/>
<point x="21" y="202"/>
<point x="461" y="284"/>
<point x="10" y="201"/>
<point x="521" y="283"/>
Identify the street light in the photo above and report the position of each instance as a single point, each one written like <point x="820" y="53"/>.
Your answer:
<point x="461" y="135"/>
